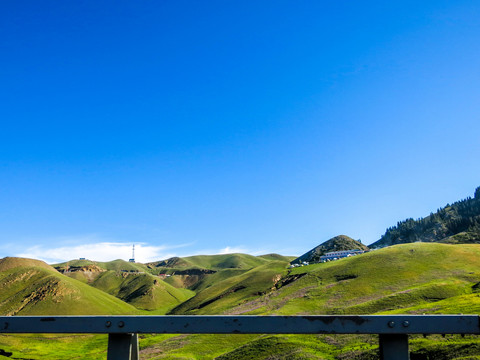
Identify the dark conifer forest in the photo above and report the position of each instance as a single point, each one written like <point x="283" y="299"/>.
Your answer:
<point x="455" y="223"/>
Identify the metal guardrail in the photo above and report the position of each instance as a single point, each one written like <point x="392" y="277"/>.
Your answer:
<point x="123" y="330"/>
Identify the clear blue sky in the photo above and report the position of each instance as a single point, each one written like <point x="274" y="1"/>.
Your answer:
<point x="191" y="127"/>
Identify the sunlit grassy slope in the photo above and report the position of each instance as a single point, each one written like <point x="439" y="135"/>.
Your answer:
<point x="31" y="287"/>
<point x="277" y="257"/>
<point x="416" y="275"/>
<point x="116" y="265"/>
<point x="225" y="294"/>
<point x="214" y="262"/>
<point x="416" y="278"/>
<point x="200" y="272"/>
<point x="130" y="282"/>
<point x="144" y="291"/>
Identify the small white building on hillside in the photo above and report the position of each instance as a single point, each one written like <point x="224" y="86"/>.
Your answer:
<point x="335" y="255"/>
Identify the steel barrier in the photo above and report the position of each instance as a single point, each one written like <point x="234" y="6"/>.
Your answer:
<point x="123" y="331"/>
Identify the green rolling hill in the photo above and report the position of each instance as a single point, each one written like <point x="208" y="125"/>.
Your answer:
<point x="144" y="291"/>
<point x="31" y="287"/>
<point x="138" y="284"/>
<point x="130" y="282"/>
<point x="225" y="291"/>
<point x="116" y="265"/>
<point x="213" y="262"/>
<point x="277" y="257"/>
<point x="419" y="276"/>
<point x="423" y="277"/>
<point x="199" y="272"/>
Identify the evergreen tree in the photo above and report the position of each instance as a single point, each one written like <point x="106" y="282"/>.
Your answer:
<point x="459" y="217"/>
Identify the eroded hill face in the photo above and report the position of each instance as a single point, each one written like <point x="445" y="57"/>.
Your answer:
<point x="31" y="287"/>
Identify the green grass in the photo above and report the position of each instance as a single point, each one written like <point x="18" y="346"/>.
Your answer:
<point x="144" y="291"/>
<point x="234" y="291"/>
<point x="392" y="278"/>
<point x="465" y="237"/>
<point x="463" y="304"/>
<point x="54" y="346"/>
<point x="238" y="347"/>
<point x="34" y="290"/>
<point x="116" y="265"/>
<point x="217" y="262"/>
<point x="216" y="278"/>
<point x="277" y="257"/>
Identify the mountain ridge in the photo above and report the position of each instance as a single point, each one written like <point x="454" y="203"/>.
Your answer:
<point x="457" y="223"/>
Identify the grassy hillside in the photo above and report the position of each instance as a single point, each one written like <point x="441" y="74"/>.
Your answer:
<point x="277" y="257"/>
<point x="217" y="278"/>
<point x="418" y="274"/>
<point x="144" y="291"/>
<point x="31" y="287"/>
<point x="212" y="262"/>
<point x="421" y="275"/>
<point x="421" y="278"/>
<point x="198" y="272"/>
<point x="116" y="265"/>
<point x="221" y="296"/>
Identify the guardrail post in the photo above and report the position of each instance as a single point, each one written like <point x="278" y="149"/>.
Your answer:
<point x="122" y="347"/>
<point x="394" y="347"/>
<point x="135" y="350"/>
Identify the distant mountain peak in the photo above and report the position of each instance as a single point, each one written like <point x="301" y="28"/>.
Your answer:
<point x="337" y="243"/>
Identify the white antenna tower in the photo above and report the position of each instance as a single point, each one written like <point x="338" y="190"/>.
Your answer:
<point x="132" y="260"/>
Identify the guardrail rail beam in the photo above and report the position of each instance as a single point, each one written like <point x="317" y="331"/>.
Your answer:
<point x="393" y="330"/>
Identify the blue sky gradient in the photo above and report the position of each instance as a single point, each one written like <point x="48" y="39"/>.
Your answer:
<point x="204" y="127"/>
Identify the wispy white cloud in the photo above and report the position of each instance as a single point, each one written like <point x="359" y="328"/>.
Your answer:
<point x="98" y="248"/>
<point x="99" y="251"/>
<point x="231" y="250"/>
